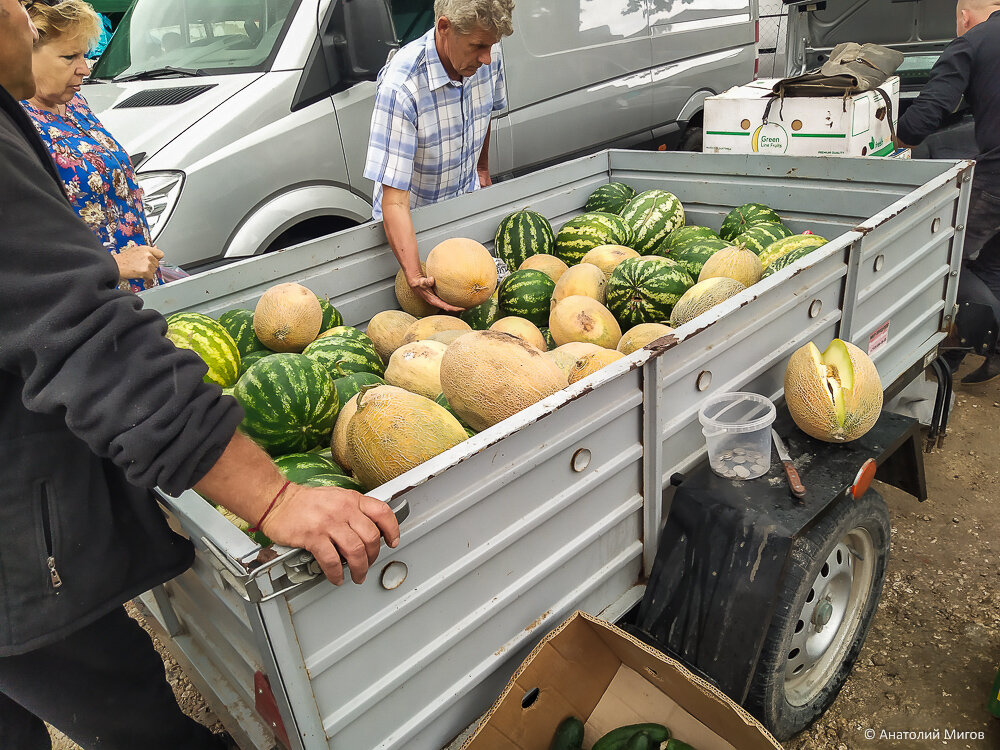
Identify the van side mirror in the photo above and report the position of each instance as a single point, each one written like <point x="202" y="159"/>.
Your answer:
<point x="367" y="37"/>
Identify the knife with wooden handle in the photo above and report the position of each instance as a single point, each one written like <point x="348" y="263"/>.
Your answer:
<point x="794" y="482"/>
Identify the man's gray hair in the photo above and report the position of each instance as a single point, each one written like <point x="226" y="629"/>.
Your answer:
<point x="468" y="15"/>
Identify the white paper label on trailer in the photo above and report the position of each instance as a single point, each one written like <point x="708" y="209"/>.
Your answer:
<point x="878" y="338"/>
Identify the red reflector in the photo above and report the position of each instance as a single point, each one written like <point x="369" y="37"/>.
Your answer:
<point x="864" y="478"/>
<point x="267" y="707"/>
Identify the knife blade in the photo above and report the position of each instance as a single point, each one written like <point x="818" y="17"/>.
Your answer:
<point x="794" y="482"/>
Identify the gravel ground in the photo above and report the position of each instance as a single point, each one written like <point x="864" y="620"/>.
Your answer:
<point x="934" y="647"/>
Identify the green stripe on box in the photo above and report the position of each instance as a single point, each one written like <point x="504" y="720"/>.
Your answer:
<point x="725" y="132"/>
<point x="819" y="135"/>
<point x="885" y="150"/>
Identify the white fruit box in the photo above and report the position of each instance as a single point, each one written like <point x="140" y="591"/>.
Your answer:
<point x="750" y="119"/>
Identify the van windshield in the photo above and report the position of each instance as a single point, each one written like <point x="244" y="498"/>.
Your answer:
<point x="173" y="38"/>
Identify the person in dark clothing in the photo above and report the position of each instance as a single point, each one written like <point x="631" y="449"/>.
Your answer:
<point x="96" y="408"/>
<point x="970" y="67"/>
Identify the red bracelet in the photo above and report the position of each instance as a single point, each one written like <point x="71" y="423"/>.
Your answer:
<point x="269" y="508"/>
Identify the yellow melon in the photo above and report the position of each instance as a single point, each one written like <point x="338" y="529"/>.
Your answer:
<point x="522" y="328"/>
<point x="578" y="348"/>
<point x="588" y="364"/>
<point x="287" y="318"/>
<point x="446" y="337"/>
<point x="387" y="329"/>
<point x="563" y="359"/>
<point x="703" y="296"/>
<point x="580" y="318"/>
<point x="338" y="440"/>
<point x="416" y="368"/>
<point x="734" y="262"/>
<point x="583" y="279"/>
<point x="835" y="396"/>
<point x="638" y="336"/>
<point x="464" y="272"/>
<point x="488" y="376"/>
<point x="607" y="257"/>
<point x="426" y="327"/>
<point x="409" y="300"/>
<point x="550" y="265"/>
<point x="394" y="430"/>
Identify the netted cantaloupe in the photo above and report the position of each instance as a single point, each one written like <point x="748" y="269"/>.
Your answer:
<point x="464" y="272"/>
<point x="387" y="329"/>
<point x="523" y="329"/>
<point x="607" y="257"/>
<point x="446" y="337"/>
<point x="580" y="318"/>
<point x="563" y="359"/>
<point x="424" y="328"/>
<point x="416" y="368"/>
<point x="338" y="441"/>
<point x="637" y="337"/>
<point x="735" y="262"/>
<point x="409" y="300"/>
<point x="287" y="318"/>
<point x="835" y="396"/>
<point x="588" y="364"/>
<point x="578" y="348"/>
<point x="701" y="297"/>
<point x="394" y="430"/>
<point x="488" y="376"/>
<point x="584" y="279"/>
<point x="550" y="265"/>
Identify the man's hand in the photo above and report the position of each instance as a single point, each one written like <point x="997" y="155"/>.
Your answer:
<point x="484" y="176"/>
<point x="424" y="286"/>
<point x="333" y="523"/>
<point x="138" y="262"/>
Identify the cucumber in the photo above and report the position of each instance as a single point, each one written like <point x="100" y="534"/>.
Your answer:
<point x="641" y="741"/>
<point x="678" y="745"/>
<point x="569" y="735"/>
<point x="617" y="739"/>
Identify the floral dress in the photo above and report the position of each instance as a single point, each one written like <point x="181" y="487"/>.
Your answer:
<point x="97" y="176"/>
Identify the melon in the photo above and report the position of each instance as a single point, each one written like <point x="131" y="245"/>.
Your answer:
<point x="607" y="257"/>
<point x="610" y="198"/>
<point x="346" y="332"/>
<point x="758" y="236"/>
<point x="239" y="325"/>
<point x="341" y="355"/>
<point x="588" y="364"/>
<point x="652" y="215"/>
<point x="409" y="300"/>
<point x="446" y="337"/>
<point x="523" y="329"/>
<point x="578" y="348"/>
<point x="580" y="318"/>
<point x="331" y="315"/>
<point x="583" y="233"/>
<point x="783" y="247"/>
<point x="564" y="360"/>
<point x="644" y="290"/>
<point x="701" y="297"/>
<point x="736" y="262"/>
<point x="521" y="235"/>
<point x="637" y="337"/>
<point x="488" y="376"/>
<point x="387" y="329"/>
<point x="550" y="265"/>
<point x="483" y="315"/>
<point x="464" y="272"/>
<point x="338" y="440"/>
<point x="426" y="327"/>
<point x="288" y="317"/>
<point x="416" y="368"/>
<point x="349" y="385"/>
<point x="527" y="294"/>
<point x="743" y="217"/>
<point x="209" y="340"/>
<point x="685" y="234"/>
<point x="835" y="396"/>
<point x="393" y="431"/>
<point x="584" y="279"/>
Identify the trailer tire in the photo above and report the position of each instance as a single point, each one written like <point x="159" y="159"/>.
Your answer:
<point x="823" y="614"/>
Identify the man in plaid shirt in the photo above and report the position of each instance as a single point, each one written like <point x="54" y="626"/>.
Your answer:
<point x="430" y="134"/>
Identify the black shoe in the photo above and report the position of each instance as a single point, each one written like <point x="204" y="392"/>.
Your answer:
<point x="953" y="358"/>
<point x="989" y="369"/>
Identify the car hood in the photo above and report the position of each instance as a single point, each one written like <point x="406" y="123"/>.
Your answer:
<point x="165" y="109"/>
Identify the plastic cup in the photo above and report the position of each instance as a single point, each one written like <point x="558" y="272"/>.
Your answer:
<point x="737" y="429"/>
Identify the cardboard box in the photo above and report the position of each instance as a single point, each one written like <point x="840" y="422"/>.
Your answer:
<point x="800" y="126"/>
<point x="593" y="670"/>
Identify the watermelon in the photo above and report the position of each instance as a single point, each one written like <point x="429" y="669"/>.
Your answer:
<point x="352" y="383"/>
<point x="442" y="401"/>
<point x="239" y="324"/>
<point x="297" y="467"/>
<point x="644" y="290"/>
<point x="587" y="231"/>
<point x="252" y="357"/>
<point x="787" y="259"/>
<point x="527" y="294"/>
<point x="209" y="340"/>
<point x="759" y="236"/>
<point x="333" y="480"/>
<point x="782" y="247"/>
<point x="331" y="315"/>
<point x="521" y="234"/>
<point x="484" y="315"/>
<point x="745" y="216"/>
<point x="652" y="215"/>
<point x="610" y="198"/>
<point x="289" y="403"/>
<point x="685" y="234"/>
<point x="342" y="355"/>
<point x="693" y="254"/>
<point x="347" y="332"/>
<point x="550" y="342"/>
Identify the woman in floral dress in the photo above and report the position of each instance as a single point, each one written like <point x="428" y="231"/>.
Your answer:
<point x="94" y="168"/>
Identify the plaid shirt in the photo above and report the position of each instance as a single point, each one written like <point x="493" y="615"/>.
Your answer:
<point x="428" y="130"/>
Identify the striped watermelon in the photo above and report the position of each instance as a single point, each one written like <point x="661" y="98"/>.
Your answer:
<point x="252" y="357"/>
<point x="692" y="255"/>
<point x="547" y="335"/>
<point x="685" y="234"/>
<point x="209" y="340"/>
<point x="782" y="247"/>
<point x="347" y="332"/>
<point x="759" y="236"/>
<point x="652" y="216"/>
<point x="786" y="260"/>
<point x="441" y="400"/>
<point x="289" y="403"/>
<point x="239" y="324"/>
<point x="521" y="234"/>
<point x="331" y="315"/>
<point x="587" y="231"/>
<point x="342" y="355"/>
<point x="333" y="480"/>
<point x="484" y="315"/>
<point x="644" y="290"/>
<point x="747" y="215"/>
<point x="298" y="467"/>
<point x="527" y="294"/>
<point x="352" y="383"/>
<point x="610" y="198"/>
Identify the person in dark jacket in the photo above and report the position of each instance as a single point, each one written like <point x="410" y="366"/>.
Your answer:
<point x="96" y="408"/>
<point x="970" y="67"/>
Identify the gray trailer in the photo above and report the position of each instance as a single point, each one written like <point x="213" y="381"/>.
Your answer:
<point x="559" y="507"/>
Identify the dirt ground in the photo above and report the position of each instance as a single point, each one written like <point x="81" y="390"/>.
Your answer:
<point x="934" y="648"/>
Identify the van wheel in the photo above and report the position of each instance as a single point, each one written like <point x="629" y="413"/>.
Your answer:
<point x="692" y="139"/>
<point x="823" y="615"/>
<point x="310" y="229"/>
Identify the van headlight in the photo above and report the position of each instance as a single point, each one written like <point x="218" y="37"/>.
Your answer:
<point x="160" y="191"/>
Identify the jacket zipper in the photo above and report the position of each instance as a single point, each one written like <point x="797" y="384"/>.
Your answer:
<point x="50" y="560"/>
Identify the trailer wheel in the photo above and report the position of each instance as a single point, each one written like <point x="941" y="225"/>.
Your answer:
<point x="832" y="589"/>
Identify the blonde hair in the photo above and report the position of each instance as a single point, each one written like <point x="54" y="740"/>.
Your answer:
<point x="467" y="15"/>
<point x="73" y="19"/>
